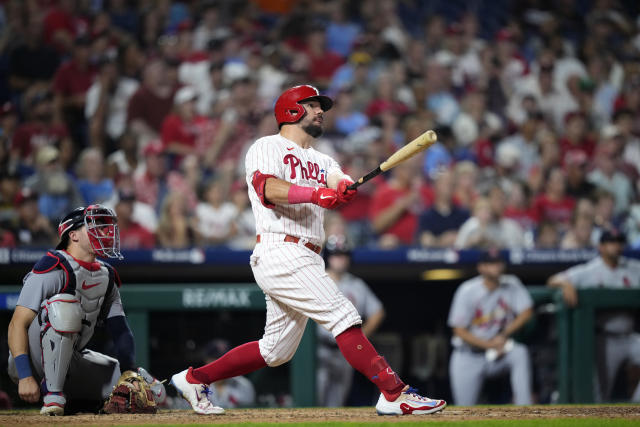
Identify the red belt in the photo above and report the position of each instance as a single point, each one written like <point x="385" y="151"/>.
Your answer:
<point x="294" y="239"/>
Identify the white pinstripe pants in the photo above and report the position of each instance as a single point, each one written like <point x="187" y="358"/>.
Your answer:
<point x="296" y="288"/>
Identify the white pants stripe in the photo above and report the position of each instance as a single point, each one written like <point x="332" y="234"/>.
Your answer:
<point x="296" y="288"/>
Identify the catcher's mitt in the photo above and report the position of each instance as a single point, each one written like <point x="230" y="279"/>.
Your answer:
<point x="130" y="395"/>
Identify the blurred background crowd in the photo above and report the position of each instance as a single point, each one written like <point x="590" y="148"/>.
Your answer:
<point x="149" y="106"/>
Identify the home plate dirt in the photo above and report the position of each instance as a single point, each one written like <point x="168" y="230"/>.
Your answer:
<point x="22" y="418"/>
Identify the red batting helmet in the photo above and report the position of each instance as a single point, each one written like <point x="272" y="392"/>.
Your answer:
<point x="288" y="108"/>
<point x="102" y="228"/>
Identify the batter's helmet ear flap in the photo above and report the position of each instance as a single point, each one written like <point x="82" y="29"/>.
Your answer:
<point x="288" y="108"/>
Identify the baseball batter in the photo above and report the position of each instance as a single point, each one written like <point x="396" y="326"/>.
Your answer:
<point x="616" y="338"/>
<point x="335" y="375"/>
<point x="66" y="294"/>
<point x="290" y="186"/>
<point x="486" y="310"/>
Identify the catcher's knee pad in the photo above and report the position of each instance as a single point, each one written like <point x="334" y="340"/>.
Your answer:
<point x="61" y="321"/>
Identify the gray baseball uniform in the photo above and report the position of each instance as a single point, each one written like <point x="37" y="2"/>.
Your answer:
<point x="334" y="374"/>
<point x="617" y="340"/>
<point x="91" y="375"/>
<point x="485" y="314"/>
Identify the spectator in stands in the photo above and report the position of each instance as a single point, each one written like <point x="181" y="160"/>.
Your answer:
<point x="132" y="234"/>
<point x="547" y="236"/>
<point x="575" y="137"/>
<point x="32" y="229"/>
<point x="244" y="220"/>
<point x="153" y="181"/>
<point x="554" y="205"/>
<point x="440" y="223"/>
<point x="151" y="103"/>
<point x="575" y="166"/>
<point x="183" y="130"/>
<point x="488" y="227"/>
<point x="57" y="192"/>
<point x="8" y="126"/>
<point x="486" y="311"/>
<point x="106" y="106"/>
<point x="123" y="162"/>
<point x="92" y="183"/>
<point x="175" y="227"/>
<point x="579" y="234"/>
<point x="346" y="119"/>
<point x="623" y="122"/>
<point x="31" y="62"/>
<point x="607" y="176"/>
<point x="616" y="338"/>
<point x="321" y="63"/>
<point x="465" y="192"/>
<point x="605" y="218"/>
<point x="517" y="206"/>
<point x="397" y="204"/>
<point x="70" y="85"/>
<point x="37" y="131"/>
<point x="214" y="215"/>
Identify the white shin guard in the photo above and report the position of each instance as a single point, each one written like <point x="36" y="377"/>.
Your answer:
<point x="61" y="321"/>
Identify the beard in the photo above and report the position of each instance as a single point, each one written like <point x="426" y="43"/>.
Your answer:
<point x="313" y="130"/>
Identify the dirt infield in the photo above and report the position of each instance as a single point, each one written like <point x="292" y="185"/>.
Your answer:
<point x="22" y="418"/>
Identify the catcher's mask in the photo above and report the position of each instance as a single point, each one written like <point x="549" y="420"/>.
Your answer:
<point x="102" y="229"/>
<point x="288" y="108"/>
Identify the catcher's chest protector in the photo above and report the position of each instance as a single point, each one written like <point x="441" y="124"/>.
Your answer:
<point x="90" y="284"/>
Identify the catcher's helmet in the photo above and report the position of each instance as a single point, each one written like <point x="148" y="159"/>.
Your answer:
<point x="288" y="108"/>
<point x="336" y="244"/>
<point x="102" y="228"/>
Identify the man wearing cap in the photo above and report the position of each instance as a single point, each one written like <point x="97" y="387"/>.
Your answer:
<point x="66" y="294"/>
<point x="486" y="311"/>
<point x="615" y="334"/>
<point x="182" y="130"/>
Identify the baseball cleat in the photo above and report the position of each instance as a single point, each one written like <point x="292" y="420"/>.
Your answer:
<point x="409" y="403"/>
<point x="196" y="394"/>
<point x="53" y="404"/>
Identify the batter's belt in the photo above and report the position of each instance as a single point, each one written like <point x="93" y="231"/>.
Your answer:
<point x="293" y="239"/>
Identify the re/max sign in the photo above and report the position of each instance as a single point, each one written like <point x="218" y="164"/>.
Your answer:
<point x="201" y="297"/>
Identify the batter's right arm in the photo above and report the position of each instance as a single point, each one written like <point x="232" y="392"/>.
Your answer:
<point x="279" y="192"/>
<point x="18" y="338"/>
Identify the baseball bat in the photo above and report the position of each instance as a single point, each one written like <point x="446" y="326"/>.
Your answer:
<point x="419" y="144"/>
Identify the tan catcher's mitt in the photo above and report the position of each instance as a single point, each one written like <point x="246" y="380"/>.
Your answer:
<point x="130" y="395"/>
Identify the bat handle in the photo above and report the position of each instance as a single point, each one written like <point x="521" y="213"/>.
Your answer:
<point x="354" y="185"/>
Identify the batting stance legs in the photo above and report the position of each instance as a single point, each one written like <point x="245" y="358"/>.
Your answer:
<point x="296" y="288"/>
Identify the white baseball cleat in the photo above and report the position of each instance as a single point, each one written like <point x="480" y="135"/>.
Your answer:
<point x="409" y="403"/>
<point x="196" y="394"/>
<point x="53" y="404"/>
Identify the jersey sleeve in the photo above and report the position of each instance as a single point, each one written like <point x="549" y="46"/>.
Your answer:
<point x="38" y="287"/>
<point x="461" y="310"/>
<point x="263" y="157"/>
<point x="522" y="300"/>
<point x="578" y="275"/>
<point x="113" y="303"/>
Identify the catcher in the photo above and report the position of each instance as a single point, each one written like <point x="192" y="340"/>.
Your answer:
<point x="63" y="298"/>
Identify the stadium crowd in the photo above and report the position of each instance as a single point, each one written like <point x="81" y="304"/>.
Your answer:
<point x="149" y="106"/>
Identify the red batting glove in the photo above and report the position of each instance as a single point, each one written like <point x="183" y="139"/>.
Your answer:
<point x="327" y="198"/>
<point x="345" y="195"/>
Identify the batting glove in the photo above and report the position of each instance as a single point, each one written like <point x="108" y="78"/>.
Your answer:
<point x="345" y="195"/>
<point x="327" y="198"/>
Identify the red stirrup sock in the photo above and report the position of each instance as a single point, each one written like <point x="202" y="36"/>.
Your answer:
<point x="237" y="361"/>
<point x="360" y="354"/>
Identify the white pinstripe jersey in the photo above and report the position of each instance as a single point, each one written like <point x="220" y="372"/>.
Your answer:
<point x="286" y="160"/>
